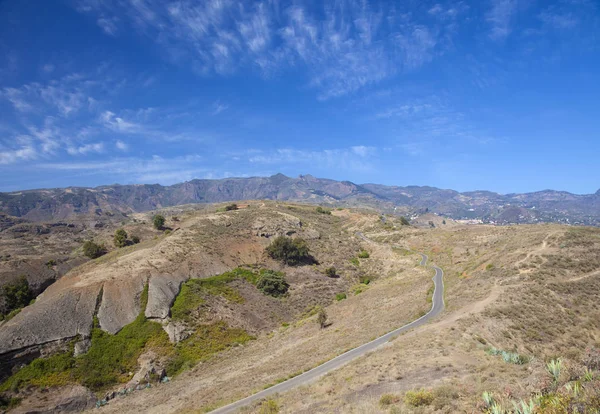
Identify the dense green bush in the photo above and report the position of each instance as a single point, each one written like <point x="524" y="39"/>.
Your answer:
<point x="323" y="210"/>
<point x="292" y="252"/>
<point x="93" y="250"/>
<point x="135" y="239"/>
<point x="16" y="295"/>
<point x="331" y="271"/>
<point x="363" y="254"/>
<point x="231" y="207"/>
<point x="120" y="238"/>
<point x="158" y="221"/>
<point x="272" y="283"/>
<point x="340" y="296"/>
<point x="404" y="221"/>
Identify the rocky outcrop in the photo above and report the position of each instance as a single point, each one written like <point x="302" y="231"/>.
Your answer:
<point x="68" y="399"/>
<point x="56" y="315"/>
<point x="162" y="291"/>
<point x="120" y="302"/>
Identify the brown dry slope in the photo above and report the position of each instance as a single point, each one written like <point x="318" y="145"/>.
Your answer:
<point x="548" y="311"/>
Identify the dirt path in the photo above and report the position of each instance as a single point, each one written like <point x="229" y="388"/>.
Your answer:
<point x="537" y="252"/>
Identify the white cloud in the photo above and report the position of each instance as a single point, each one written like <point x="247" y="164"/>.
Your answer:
<point x="21" y="154"/>
<point x="48" y="68"/>
<point x="118" y="124"/>
<point x="558" y="20"/>
<point x="500" y="17"/>
<point x="353" y="158"/>
<point x="138" y="170"/>
<point x="362" y="150"/>
<point x="65" y="95"/>
<point x="86" y="149"/>
<point x="219" y="107"/>
<point x="342" y="46"/>
<point x="121" y="145"/>
<point x="108" y="25"/>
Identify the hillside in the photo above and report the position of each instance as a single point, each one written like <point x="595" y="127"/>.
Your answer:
<point x="95" y="203"/>
<point x="186" y="302"/>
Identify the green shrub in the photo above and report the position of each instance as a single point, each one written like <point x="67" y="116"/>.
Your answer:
<point x="268" y="407"/>
<point x="231" y="207"/>
<point x="9" y="403"/>
<point x="50" y="263"/>
<point x="322" y="210"/>
<point x="331" y="271"/>
<point x="363" y="254"/>
<point x="135" y="239"/>
<point x="340" y="296"/>
<point x="272" y="283"/>
<point x="365" y="280"/>
<point x="158" y="221"/>
<point x="322" y="317"/>
<point x="93" y="250"/>
<point x="388" y="399"/>
<point x="111" y="357"/>
<point x="193" y="291"/>
<point x="292" y="252"/>
<point x="490" y="266"/>
<point x="404" y="221"/>
<point x="16" y="295"/>
<point x="205" y="342"/>
<point x="418" y="398"/>
<point x="355" y="261"/>
<point x="120" y="238"/>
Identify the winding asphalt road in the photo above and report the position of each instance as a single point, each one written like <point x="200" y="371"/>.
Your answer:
<point x="337" y="362"/>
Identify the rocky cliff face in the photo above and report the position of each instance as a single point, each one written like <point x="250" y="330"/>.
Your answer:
<point x="543" y="206"/>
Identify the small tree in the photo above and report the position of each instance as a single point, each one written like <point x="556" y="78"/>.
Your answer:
<point x="291" y="252"/>
<point x="120" y="238"/>
<point x="404" y="221"/>
<point x="93" y="250"/>
<point x="323" y="210"/>
<point x="135" y="239"/>
<point x="17" y="294"/>
<point x="322" y="317"/>
<point x="331" y="271"/>
<point x="231" y="207"/>
<point x="158" y="221"/>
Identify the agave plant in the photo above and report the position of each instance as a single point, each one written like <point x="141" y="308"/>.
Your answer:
<point x="496" y="408"/>
<point x="574" y="387"/>
<point x="488" y="399"/>
<point x="524" y="407"/>
<point x="554" y="367"/>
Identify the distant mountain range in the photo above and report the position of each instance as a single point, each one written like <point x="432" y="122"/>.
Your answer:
<point x="541" y="206"/>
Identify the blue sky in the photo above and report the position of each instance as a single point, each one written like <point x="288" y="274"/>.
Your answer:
<point x="502" y="95"/>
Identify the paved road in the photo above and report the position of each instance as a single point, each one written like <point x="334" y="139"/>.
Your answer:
<point x="436" y="308"/>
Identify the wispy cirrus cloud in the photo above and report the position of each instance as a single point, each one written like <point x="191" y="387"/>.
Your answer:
<point x="356" y="158"/>
<point x="500" y="17"/>
<point x="342" y="46"/>
<point x="219" y="107"/>
<point x="24" y="153"/>
<point x="156" y="169"/>
<point x="87" y="148"/>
